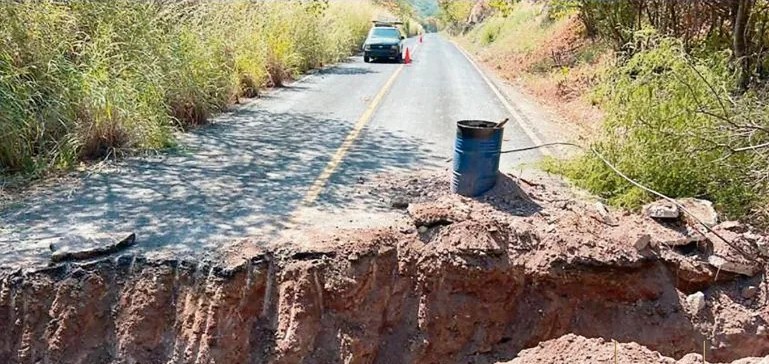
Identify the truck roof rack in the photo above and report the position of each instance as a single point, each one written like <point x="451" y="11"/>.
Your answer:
<point x="384" y="23"/>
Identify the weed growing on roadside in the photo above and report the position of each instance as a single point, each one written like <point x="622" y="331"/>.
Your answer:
<point x="88" y="79"/>
<point x="673" y="126"/>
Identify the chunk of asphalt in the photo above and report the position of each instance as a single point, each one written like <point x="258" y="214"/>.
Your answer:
<point x="73" y="248"/>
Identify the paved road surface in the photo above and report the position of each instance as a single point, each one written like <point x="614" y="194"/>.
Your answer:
<point x="290" y="153"/>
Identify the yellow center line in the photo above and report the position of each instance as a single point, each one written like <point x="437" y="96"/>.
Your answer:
<point x="320" y="182"/>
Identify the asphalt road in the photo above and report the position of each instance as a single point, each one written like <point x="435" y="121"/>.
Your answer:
<point x="287" y="156"/>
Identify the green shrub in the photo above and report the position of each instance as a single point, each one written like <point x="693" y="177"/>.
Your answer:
<point x="86" y="79"/>
<point x="489" y="33"/>
<point x="668" y="126"/>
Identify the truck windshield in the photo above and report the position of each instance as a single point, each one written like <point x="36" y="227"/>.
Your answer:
<point x="386" y="33"/>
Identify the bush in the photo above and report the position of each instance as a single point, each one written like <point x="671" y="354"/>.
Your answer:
<point x="87" y="79"/>
<point x="671" y="126"/>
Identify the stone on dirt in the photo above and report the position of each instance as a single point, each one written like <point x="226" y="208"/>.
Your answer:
<point x="662" y="209"/>
<point x="78" y="247"/>
<point x="702" y="209"/>
<point x="740" y="267"/>
<point x="696" y="302"/>
<point x="763" y="246"/>
<point x="604" y="214"/>
<point x="726" y="257"/>
<point x="734" y="226"/>
<point x="642" y="241"/>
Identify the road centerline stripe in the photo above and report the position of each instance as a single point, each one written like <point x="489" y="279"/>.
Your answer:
<point x="320" y="182"/>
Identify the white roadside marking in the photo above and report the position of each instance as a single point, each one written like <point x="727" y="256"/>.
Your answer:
<point x="519" y="119"/>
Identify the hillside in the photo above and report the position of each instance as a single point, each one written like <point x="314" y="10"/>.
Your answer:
<point x="425" y="8"/>
<point x="680" y="107"/>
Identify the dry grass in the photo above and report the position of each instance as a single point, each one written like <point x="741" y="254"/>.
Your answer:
<point x="88" y="79"/>
<point x="550" y="59"/>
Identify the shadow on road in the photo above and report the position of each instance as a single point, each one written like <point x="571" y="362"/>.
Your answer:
<point x="230" y="179"/>
<point x="347" y="70"/>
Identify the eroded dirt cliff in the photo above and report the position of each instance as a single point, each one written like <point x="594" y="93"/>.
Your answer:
<point x="465" y="281"/>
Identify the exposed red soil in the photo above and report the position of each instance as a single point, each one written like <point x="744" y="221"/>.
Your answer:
<point x="553" y="74"/>
<point x="467" y="281"/>
<point x="578" y="349"/>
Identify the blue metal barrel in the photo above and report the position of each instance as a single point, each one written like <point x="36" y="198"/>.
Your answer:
<point x="476" y="157"/>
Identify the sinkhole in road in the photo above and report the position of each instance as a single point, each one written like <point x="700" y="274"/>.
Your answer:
<point x="492" y="279"/>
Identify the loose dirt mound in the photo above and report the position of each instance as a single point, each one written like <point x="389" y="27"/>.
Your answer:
<point x="578" y="349"/>
<point x="465" y="281"/>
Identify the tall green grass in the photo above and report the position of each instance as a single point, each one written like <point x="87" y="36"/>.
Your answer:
<point x="673" y="126"/>
<point x="86" y="79"/>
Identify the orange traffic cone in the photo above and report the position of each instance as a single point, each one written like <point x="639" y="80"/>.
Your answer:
<point x="407" y="57"/>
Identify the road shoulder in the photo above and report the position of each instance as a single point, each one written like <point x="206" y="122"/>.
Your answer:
<point x="541" y="120"/>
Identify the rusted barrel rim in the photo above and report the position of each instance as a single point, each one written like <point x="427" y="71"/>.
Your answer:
<point x="477" y="124"/>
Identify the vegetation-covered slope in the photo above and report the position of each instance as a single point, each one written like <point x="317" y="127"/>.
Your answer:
<point x="684" y="95"/>
<point x="425" y="8"/>
<point x="86" y="79"/>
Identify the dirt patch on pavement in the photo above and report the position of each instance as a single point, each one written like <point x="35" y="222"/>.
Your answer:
<point x="463" y="280"/>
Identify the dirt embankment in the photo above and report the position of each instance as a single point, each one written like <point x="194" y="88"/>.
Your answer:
<point x="465" y="281"/>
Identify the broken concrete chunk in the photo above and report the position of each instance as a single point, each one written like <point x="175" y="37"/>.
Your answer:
<point x="77" y="247"/>
<point x="739" y="266"/>
<point x="642" y="241"/>
<point x="727" y="258"/>
<point x="702" y="209"/>
<point x="674" y="236"/>
<point x="662" y="209"/>
<point x="696" y="302"/>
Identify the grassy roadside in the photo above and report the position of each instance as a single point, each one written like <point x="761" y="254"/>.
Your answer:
<point x="86" y="79"/>
<point x="664" y="109"/>
<point x="547" y="57"/>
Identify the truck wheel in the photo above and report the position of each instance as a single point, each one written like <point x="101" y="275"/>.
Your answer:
<point x="366" y="59"/>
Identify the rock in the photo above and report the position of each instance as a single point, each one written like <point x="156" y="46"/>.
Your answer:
<point x="751" y="237"/>
<point x="763" y="246"/>
<point x="406" y="230"/>
<point x="741" y="266"/>
<point x="749" y="292"/>
<point x="729" y="259"/>
<point x="642" y="241"/>
<point x="662" y="209"/>
<point x="76" y="247"/>
<point x="399" y="203"/>
<point x="604" y="214"/>
<point x="702" y="209"/>
<point x="696" y="302"/>
<point x="480" y="11"/>
<point x="673" y="236"/>
<point x="422" y="229"/>
<point x="734" y="226"/>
